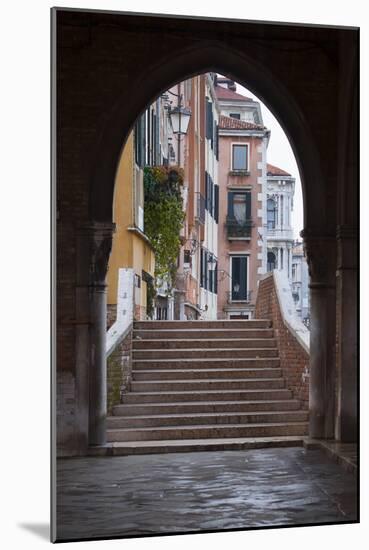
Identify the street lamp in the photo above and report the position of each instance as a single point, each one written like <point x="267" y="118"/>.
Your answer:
<point x="179" y="117"/>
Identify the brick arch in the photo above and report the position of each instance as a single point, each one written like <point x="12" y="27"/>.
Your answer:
<point x="192" y="61"/>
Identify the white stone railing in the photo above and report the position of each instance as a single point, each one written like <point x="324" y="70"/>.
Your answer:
<point x="288" y="310"/>
<point x="125" y="304"/>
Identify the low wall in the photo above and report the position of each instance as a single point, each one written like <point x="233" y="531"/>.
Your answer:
<point x="274" y="301"/>
<point x="119" y="340"/>
<point x="119" y="368"/>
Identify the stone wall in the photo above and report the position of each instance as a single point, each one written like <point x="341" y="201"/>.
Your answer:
<point x="119" y="368"/>
<point x="294" y="359"/>
<point x="65" y="412"/>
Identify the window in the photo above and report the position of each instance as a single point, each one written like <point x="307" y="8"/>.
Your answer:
<point x="281" y="258"/>
<point x="281" y="199"/>
<point x="187" y="257"/>
<point x="239" y="278"/>
<point x="208" y="271"/>
<point x="210" y="195"/>
<point x="239" y="157"/>
<point x="235" y="115"/>
<point x="239" y="206"/>
<point x="271" y="214"/>
<point x="271" y="261"/>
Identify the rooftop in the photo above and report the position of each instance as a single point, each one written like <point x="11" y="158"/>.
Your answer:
<point x="229" y="123"/>
<point x="275" y="171"/>
<point x="226" y="93"/>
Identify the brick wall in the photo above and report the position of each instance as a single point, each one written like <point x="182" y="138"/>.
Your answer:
<point x="119" y="368"/>
<point x="294" y="359"/>
<point x="111" y="315"/>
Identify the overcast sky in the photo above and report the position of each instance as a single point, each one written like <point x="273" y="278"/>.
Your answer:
<point x="280" y="154"/>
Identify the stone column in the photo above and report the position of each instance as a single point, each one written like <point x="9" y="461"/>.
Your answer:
<point x="321" y="257"/>
<point x="100" y="246"/>
<point x="279" y="258"/>
<point x="346" y="280"/>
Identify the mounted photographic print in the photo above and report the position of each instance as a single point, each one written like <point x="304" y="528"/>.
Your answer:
<point x="205" y="191"/>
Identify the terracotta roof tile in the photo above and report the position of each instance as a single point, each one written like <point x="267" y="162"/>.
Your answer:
<point x="225" y="93"/>
<point x="275" y="171"/>
<point x="229" y="123"/>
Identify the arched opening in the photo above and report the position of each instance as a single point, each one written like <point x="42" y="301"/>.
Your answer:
<point x="224" y="239"/>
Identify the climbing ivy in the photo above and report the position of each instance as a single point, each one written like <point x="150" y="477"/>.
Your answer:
<point x="163" y="218"/>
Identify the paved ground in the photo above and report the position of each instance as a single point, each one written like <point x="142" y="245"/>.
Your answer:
<point x="173" y="493"/>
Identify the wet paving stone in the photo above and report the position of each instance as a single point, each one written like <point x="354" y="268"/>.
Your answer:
<point x="174" y="493"/>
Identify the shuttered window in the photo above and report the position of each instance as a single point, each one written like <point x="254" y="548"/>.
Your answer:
<point x="209" y="121"/>
<point x="216" y="203"/>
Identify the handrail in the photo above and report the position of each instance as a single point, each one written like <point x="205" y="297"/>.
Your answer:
<point x="125" y="305"/>
<point x="288" y="310"/>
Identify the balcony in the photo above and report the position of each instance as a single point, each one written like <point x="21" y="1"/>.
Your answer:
<point x="239" y="297"/>
<point x="199" y="208"/>
<point x="237" y="230"/>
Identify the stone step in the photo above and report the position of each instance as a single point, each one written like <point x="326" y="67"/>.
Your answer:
<point x="194" y="407"/>
<point x="210" y="395"/>
<point x="128" y="448"/>
<point x="198" y="419"/>
<point x="209" y="431"/>
<point x="190" y="343"/>
<point x="191" y="374"/>
<point x="203" y="353"/>
<point x="207" y="363"/>
<point x="225" y="323"/>
<point x="168" y="386"/>
<point x="180" y="334"/>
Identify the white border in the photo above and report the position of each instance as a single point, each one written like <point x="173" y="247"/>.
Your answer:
<point x="25" y="176"/>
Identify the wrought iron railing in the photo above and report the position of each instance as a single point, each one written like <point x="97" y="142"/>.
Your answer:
<point x="238" y="229"/>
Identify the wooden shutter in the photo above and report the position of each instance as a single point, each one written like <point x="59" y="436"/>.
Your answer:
<point x="209" y="120"/>
<point x="216" y="203"/>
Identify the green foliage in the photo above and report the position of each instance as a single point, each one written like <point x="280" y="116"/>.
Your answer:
<point x="164" y="218"/>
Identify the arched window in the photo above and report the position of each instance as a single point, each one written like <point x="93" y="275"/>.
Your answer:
<point x="271" y="213"/>
<point x="271" y="264"/>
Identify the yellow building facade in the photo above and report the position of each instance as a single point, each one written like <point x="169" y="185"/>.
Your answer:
<point x="131" y="248"/>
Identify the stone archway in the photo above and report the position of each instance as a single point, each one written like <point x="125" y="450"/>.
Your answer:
<point x="104" y="83"/>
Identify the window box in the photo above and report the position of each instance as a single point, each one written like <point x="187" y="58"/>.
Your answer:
<point x="239" y="173"/>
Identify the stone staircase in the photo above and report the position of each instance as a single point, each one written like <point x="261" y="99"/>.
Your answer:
<point x="205" y="385"/>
